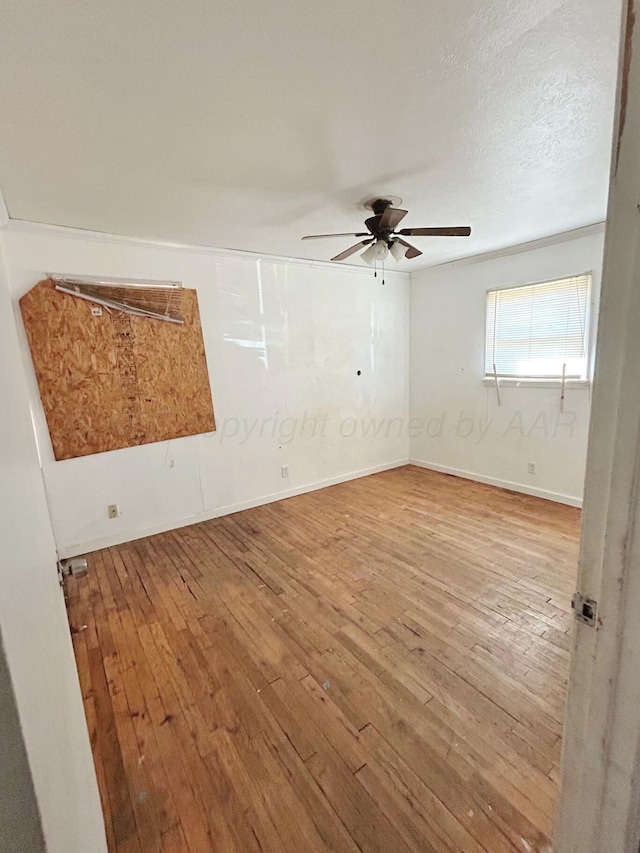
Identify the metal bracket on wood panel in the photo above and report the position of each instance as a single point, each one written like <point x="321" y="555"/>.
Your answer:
<point x="585" y="609"/>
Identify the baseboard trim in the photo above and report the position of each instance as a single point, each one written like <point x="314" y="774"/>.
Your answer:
<point x="556" y="497"/>
<point x="75" y="550"/>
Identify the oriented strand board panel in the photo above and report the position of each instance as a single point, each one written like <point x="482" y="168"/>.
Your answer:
<point x="115" y="380"/>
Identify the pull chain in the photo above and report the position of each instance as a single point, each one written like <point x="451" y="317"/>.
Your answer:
<point x="375" y="270"/>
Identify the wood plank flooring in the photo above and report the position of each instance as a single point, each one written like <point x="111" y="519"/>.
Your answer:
<point x="377" y="666"/>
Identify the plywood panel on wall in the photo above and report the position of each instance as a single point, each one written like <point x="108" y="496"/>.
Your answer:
<point x="115" y="380"/>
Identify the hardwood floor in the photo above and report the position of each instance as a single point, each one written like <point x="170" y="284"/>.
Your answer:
<point x="377" y="666"/>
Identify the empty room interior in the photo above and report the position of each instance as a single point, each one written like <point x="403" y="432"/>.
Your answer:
<point x="299" y="318"/>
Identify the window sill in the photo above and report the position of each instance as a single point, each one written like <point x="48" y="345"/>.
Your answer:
<point x="514" y="382"/>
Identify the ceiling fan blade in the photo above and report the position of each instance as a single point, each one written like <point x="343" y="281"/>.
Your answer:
<point x="391" y="217"/>
<point x="351" y="251"/>
<point x="411" y="252"/>
<point x="320" y="236"/>
<point x="463" y="231"/>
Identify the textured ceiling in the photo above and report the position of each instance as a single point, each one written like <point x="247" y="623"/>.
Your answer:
<point x="247" y="124"/>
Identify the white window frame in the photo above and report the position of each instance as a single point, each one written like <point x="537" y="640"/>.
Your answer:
<point x="547" y="381"/>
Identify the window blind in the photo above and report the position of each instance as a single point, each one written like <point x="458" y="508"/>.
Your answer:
<point x="532" y="331"/>
<point x="159" y="300"/>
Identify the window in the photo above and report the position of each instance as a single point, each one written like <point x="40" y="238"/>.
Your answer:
<point x="539" y="331"/>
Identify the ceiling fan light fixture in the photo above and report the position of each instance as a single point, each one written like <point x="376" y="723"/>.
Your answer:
<point x="398" y="251"/>
<point x="381" y="250"/>
<point x="377" y="251"/>
<point x="369" y="255"/>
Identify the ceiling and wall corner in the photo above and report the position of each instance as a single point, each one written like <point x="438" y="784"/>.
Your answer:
<point x="278" y="120"/>
<point x="529" y="246"/>
<point x="84" y="235"/>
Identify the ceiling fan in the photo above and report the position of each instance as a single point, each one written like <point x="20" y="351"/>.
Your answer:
<point x="383" y="239"/>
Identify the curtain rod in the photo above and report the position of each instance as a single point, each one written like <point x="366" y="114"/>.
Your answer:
<point x="113" y="282"/>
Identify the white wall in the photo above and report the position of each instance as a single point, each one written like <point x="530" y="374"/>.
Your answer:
<point x="34" y="626"/>
<point x="284" y="342"/>
<point x="457" y="425"/>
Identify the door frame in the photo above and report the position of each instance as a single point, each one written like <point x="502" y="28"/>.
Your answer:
<point x="599" y="808"/>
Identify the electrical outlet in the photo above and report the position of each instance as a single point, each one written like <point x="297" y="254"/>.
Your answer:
<point x="113" y="510"/>
<point x="96" y="311"/>
<point x="284" y="470"/>
<point x="531" y="467"/>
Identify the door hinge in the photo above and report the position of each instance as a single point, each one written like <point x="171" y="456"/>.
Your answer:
<point x="585" y="609"/>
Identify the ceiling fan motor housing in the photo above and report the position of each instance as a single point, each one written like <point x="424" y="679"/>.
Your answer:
<point x="384" y="238"/>
<point x="378" y="206"/>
